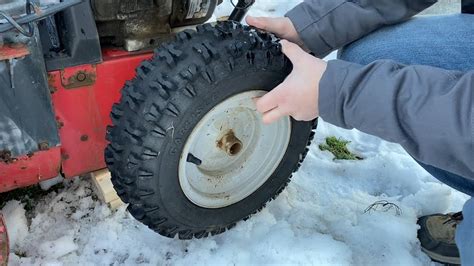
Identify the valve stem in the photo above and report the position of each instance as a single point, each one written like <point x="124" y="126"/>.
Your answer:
<point x="193" y="159"/>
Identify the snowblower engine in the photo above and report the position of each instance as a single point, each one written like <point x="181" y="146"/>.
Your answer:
<point x="132" y="24"/>
<point x="137" y="24"/>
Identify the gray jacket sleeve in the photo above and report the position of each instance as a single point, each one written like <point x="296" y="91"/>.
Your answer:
<point x="429" y="111"/>
<point x="327" y="25"/>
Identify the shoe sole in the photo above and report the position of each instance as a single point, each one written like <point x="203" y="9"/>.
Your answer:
<point x="441" y="258"/>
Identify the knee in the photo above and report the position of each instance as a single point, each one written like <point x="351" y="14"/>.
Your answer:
<point x="370" y="48"/>
<point x="468" y="209"/>
<point x="465" y="234"/>
<point x="393" y="42"/>
<point x="352" y="53"/>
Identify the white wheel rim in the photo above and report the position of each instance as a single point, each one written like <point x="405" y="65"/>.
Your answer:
<point x="217" y="171"/>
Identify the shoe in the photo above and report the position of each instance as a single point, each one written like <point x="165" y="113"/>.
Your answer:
<point x="436" y="235"/>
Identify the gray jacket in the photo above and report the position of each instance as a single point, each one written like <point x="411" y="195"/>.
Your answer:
<point x="429" y="111"/>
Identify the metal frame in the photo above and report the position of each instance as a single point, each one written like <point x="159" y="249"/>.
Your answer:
<point x="82" y="114"/>
<point x="83" y="111"/>
<point x="41" y="15"/>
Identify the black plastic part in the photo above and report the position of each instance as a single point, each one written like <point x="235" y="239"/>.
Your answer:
<point x="27" y="118"/>
<point x="240" y="10"/>
<point x="71" y="38"/>
<point x="467" y="6"/>
<point x="182" y="8"/>
<point x="51" y="42"/>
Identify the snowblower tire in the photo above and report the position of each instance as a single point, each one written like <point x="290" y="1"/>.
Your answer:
<point x="159" y="108"/>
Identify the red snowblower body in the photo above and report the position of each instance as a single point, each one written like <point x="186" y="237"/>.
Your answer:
<point x="62" y="66"/>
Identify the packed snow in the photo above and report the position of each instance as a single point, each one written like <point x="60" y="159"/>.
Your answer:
<point x="320" y="219"/>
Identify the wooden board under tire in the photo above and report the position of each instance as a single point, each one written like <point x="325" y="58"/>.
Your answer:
<point x="105" y="190"/>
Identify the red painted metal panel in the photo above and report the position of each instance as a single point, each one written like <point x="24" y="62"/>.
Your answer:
<point x="82" y="97"/>
<point x="9" y="51"/>
<point x="82" y="100"/>
<point x="30" y="169"/>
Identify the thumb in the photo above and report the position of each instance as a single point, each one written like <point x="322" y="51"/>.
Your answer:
<point x="292" y="51"/>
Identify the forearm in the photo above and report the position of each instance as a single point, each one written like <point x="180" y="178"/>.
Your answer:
<point x="429" y="111"/>
<point x="327" y="25"/>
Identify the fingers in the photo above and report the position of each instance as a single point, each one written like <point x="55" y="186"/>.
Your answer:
<point x="276" y="25"/>
<point x="277" y="103"/>
<point x="266" y="103"/>
<point x="292" y="51"/>
<point x="257" y="22"/>
<point x="270" y="100"/>
<point x="271" y="105"/>
<point x="273" y="115"/>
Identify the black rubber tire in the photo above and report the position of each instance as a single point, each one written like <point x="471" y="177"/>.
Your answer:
<point x="161" y="106"/>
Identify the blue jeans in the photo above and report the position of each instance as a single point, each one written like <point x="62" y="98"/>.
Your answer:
<point x="441" y="41"/>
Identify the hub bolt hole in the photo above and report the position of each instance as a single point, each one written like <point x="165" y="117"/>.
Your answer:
<point x="235" y="148"/>
<point x="230" y="143"/>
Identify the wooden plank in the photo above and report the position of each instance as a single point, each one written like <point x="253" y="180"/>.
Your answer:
<point x="4" y="249"/>
<point x="115" y="204"/>
<point x="105" y="189"/>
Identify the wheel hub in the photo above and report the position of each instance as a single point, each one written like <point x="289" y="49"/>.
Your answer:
<point x="230" y="143"/>
<point x="231" y="153"/>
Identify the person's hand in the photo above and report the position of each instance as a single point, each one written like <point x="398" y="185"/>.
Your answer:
<point x="281" y="27"/>
<point x="298" y="95"/>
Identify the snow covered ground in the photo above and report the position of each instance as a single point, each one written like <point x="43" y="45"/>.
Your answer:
<point x="318" y="220"/>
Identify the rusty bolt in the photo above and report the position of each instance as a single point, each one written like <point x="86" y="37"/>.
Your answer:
<point x="52" y="89"/>
<point x="42" y="146"/>
<point x="59" y="124"/>
<point x="81" y="76"/>
<point x="84" y="138"/>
